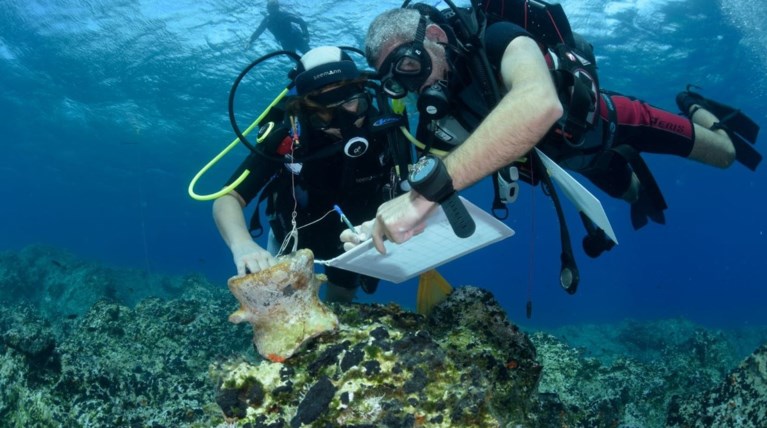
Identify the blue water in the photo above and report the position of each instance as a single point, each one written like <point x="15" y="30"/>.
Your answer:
<point x="109" y="108"/>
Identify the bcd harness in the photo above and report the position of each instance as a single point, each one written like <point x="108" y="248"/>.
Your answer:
<point x="383" y="129"/>
<point x="574" y="72"/>
<point x="572" y="141"/>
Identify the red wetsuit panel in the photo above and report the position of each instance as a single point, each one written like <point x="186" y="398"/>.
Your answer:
<point x="650" y="129"/>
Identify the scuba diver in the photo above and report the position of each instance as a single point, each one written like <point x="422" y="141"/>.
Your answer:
<point x="289" y="30"/>
<point x="322" y="151"/>
<point x="489" y="91"/>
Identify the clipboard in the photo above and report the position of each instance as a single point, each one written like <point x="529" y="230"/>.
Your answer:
<point x="578" y="195"/>
<point x="435" y="246"/>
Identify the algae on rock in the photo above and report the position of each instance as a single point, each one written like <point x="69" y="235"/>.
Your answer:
<point x="465" y="366"/>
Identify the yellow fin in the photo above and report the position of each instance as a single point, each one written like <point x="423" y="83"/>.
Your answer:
<point x="237" y="316"/>
<point x="433" y="289"/>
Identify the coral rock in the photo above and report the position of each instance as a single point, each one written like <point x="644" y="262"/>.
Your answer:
<point x="283" y="306"/>
<point x="389" y="368"/>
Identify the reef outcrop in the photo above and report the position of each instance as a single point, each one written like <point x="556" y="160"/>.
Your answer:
<point x="740" y="400"/>
<point x="81" y="344"/>
<point x="464" y="366"/>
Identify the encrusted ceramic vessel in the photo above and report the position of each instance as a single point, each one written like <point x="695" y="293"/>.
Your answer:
<point x="283" y="306"/>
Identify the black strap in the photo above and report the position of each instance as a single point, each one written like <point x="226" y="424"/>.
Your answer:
<point x="255" y="227"/>
<point x="569" y="275"/>
<point x="498" y="204"/>
<point x="608" y="129"/>
<point x="397" y="144"/>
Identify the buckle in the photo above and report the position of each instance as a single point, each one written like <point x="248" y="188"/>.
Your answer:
<point x="508" y="184"/>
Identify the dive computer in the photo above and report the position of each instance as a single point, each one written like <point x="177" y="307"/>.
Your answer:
<point x="430" y="178"/>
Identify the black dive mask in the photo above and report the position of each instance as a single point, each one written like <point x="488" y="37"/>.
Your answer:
<point x="407" y="67"/>
<point x="337" y="108"/>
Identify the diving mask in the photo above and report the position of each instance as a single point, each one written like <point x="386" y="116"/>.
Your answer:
<point x="330" y="109"/>
<point x="408" y="66"/>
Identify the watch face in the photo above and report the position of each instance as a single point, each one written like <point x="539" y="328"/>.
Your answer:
<point x="422" y="169"/>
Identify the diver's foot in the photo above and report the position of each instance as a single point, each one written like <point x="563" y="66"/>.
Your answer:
<point x="686" y="100"/>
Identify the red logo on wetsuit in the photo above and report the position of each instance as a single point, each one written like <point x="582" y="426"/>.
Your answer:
<point x="671" y="126"/>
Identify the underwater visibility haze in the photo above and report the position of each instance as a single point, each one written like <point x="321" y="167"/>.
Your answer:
<point x="109" y="108"/>
<point x="113" y="281"/>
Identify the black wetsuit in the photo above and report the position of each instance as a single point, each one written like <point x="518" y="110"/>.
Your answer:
<point x="357" y="185"/>
<point x="289" y="30"/>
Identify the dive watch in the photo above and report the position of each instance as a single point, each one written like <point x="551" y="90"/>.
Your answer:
<point x="429" y="177"/>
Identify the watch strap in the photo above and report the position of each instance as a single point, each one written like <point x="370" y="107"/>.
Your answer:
<point x="458" y="216"/>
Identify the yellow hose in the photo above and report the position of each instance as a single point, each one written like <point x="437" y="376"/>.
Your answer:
<point x="420" y="145"/>
<point x="226" y="150"/>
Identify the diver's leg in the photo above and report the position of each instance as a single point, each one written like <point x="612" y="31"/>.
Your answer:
<point x="612" y="173"/>
<point x="712" y="147"/>
<point x="653" y="130"/>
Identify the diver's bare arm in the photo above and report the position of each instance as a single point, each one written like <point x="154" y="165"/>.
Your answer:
<point x="256" y="34"/>
<point x="247" y="254"/>
<point x="230" y="220"/>
<point x="517" y="123"/>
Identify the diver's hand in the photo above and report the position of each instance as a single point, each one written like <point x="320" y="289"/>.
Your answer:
<point x="251" y="258"/>
<point x="351" y="239"/>
<point x="400" y="219"/>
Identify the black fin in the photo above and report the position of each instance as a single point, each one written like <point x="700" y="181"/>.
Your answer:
<point x="650" y="203"/>
<point x="734" y="120"/>
<point x="596" y="240"/>
<point x="638" y="216"/>
<point x="744" y="153"/>
<point x="648" y="206"/>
